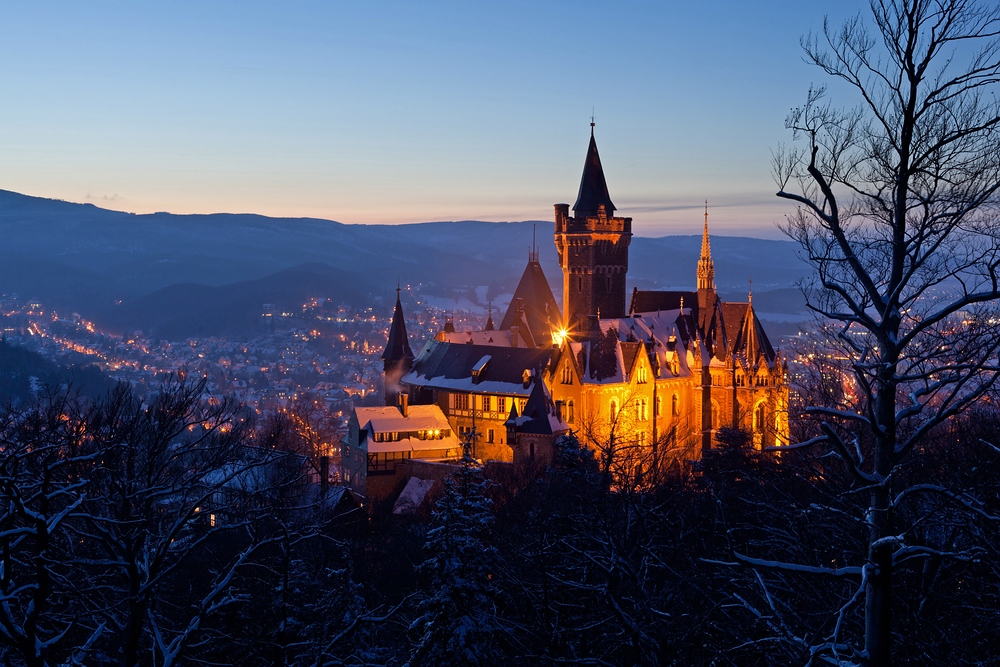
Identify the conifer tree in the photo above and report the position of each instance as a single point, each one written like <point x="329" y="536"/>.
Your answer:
<point x="457" y="623"/>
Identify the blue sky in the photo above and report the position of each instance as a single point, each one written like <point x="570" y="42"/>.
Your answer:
<point x="405" y="112"/>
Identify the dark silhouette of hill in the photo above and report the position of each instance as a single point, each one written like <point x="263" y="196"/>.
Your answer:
<point x="186" y="310"/>
<point x="84" y="258"/>
<point x="24" y="372"/>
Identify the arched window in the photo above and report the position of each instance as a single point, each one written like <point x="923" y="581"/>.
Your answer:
<point x="645" y="410"/>
<point x="614" y="410"/>
<point x="760" y="423"/>
<point x="570" y="411"/>
<point x="675" y="405"/>
<point x="715" y="415"/>
<point x="658" y="407"/>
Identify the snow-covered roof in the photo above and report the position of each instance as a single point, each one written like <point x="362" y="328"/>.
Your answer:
<point x="449" y="366"/>
<point x="495" y="338"/>
<point x="420" y="418"/>
<point x="389" y="419"/>
<point x="413" y="444"/>
<point x="413" y="495"/>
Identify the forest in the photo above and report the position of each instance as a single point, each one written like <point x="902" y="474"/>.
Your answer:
<point x="178" y="532"/>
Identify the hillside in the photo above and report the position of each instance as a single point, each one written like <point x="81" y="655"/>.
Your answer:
<point x="205" y="272"/>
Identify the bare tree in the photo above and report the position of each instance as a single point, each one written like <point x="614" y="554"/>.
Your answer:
<point x="174" y="487"/>
<point x="897" y="212"/>
<point x="45" y="456"/>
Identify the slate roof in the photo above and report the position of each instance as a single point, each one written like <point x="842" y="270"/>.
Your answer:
<point x="539" y="413"/>
<point x="398" y="346"/>
<point x="649" y="301"/>
<point x="540" y="309"/>
<point x="448" y="366"/>
<point x="593" y="187"/>
<point x="729" y="328"/>
<point x="751" y="343"/>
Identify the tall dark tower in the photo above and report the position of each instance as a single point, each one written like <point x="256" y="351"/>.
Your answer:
<point x="398" y="357"/>
<point x="593" y="247"/>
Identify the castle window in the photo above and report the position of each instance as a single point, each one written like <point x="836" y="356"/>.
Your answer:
<point x="609" y="282"/>
<point x="581" y="283"/>
<point x="641" y="376"/>
<point x="567" y="375"/>
<point x="489" y="436"/>
<point x="531" y="450"/>
<point x="759" y="423"/>
<point x="614" y="410"/>
<point x="461" y="401"/>
<point x="487" y="402"/>
<point x="675" y="405"/>
<point x="502" y="404"/>
<point x="658" y="407"/>
<point x="570" y="411"/>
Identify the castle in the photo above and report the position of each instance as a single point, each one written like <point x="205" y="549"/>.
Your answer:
<point x="645" y="379"/>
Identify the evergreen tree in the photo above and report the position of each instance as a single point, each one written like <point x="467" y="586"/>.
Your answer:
<point x="457" y="623"/>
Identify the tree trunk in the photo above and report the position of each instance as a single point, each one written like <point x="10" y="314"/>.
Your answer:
<point x="878" y="593"/>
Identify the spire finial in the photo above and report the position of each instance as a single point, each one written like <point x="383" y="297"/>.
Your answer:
<point x="591" y="121"/>
<point x="750" y="291"/>
<point x="706" y="268"/>
<point x="399" y="283"/>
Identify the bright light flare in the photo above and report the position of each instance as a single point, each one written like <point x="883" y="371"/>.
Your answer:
<point x="559" y="336"/>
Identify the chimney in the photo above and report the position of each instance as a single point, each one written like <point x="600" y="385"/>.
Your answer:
<point x="404" y="404"/>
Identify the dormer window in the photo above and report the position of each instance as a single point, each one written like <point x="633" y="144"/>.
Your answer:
<point x="479" y="369"/>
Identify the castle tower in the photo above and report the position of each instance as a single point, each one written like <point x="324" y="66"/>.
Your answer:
<point x="593" y="247"/>
<point x="397" y="359"/>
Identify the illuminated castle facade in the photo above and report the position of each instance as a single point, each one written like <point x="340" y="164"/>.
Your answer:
<point x="648" y="377"/>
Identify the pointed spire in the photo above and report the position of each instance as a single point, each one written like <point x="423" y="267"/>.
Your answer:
<point x="593" y="187"/>
<point x="489" y="320"/>
<point x="706" y="267"/>
<point x="398" y="346"/>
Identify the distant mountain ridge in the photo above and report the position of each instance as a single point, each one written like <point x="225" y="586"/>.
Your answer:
<point x="84" y="257"/>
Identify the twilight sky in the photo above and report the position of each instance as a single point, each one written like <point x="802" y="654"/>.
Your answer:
<point x="405" y="111"/>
